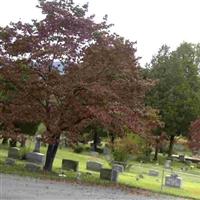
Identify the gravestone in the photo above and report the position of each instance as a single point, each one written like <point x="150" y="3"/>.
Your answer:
<point x="93" y="166"/>
<point x="14" y="152"/>
<point x="32" y="167"/>
<point x="70" y="165"/>
<point x="153" y="173"/>
<point x="37" y="143"/>
<point x="106" y="151"/>
<point x="173" y="181"/>
<point x="94" y="153"/>
<point x="109" y="174"/>
<point x="168" y="164"/>
<point x="118" y="168"/>
<point x="181" y="158"/>
<point x="10" y="161"/>
<point x="35" y="157"/>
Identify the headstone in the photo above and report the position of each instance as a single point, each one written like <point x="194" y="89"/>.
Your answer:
<point x="35" y="157"/>
<point x="153" y="173"/>
<point x="109" y="174"/>
<point x="10" y="161"/>
<point x="168" y="164"/>
<point x="93" y="166"/>
<point x="32" y="167"/>
<point x="37" y="144"/>
<point x="173" y="181"/>
<point x="182" y="158"/>
<point x="14" y="152"/>
<point x="106" y="151"/>
<point x="117" y="167"/>
<point x="94" y="153"/>
<point x="70" y="165"/>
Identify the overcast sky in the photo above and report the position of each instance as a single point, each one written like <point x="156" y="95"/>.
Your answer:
<point x="149" y="22"/>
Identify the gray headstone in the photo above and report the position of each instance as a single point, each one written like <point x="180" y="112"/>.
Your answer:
<point x="117" y="167"/>
<point x="32" y="167"/>
<point x="94" y="153"/>
<point x="106" y="151"/>
<point x="109" y="174"/>
<point x="153" y="173"/>
<point x="37" y="144"/>
<point x="10" y="161"/>
<point x="35" y="157"/>
<point x="93" y="166"/>
<point x="70" y="165"/>
<point x="173" y="181"/>
<point x="14" y="152"/>
<point x="168" y="164"/>
<point x="182" y="158"/>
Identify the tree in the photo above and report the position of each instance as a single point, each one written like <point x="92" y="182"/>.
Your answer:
<point x="33" y="86"/>
<point x="177" y="93"/>
<point x="98" y="80"/>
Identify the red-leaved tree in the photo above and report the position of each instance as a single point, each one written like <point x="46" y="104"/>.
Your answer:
<point x="194" y="136"/>
<point x="67" y="73"/>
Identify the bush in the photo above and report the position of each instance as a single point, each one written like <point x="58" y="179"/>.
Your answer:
<point x="78" y="148"/>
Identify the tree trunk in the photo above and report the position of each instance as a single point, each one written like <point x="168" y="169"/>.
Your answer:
<point x="51" y="153"/>
<point x="5" y="141"/>
<point x="112" y="138"/>
<point x="156" y="152"/>
<point x="171" y="144"/>
<point x="95" y="141"/>
<point x="13" y="143"/>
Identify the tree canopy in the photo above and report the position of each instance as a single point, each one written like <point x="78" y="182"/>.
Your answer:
<point x="177" y="93"/>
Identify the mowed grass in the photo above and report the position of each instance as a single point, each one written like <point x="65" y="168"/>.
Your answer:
<point x="190" y="187"/>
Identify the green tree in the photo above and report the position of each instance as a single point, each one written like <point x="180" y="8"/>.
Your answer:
<point x="177" y="93"/>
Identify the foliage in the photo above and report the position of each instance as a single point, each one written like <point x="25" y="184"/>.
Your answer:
<point x="67" y="72"/>
<point x="194" y="136"/>
<point x="177" y="92"/>
<point x="78" y="148"/>
<point x="127" y="146"/>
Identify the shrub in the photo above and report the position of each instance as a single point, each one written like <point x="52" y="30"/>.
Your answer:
<point x="78" y="148"/>
<point x="127" y="146"/>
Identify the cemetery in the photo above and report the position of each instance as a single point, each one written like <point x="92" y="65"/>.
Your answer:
<point x="84" y="167"/>
<point x="77" y="105"/>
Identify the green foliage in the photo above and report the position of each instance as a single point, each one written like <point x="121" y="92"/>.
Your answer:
<point x="177" y="93"/>
<point x="130" y="145"/>
<point x="78" y="148"/>
<point x="27" y="128"/>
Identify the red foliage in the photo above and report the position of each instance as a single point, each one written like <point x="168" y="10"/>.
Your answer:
<point x="194" y="135"/>
<point x="100" y="82"/>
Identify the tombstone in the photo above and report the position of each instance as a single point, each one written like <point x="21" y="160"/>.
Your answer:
<point x="37" y="144"/>
<point x="181" y="158"/>
<point x="106" y="151"/>
<point x="168" y="164"/>
<point x="118" y="168"/>
<point x="35" y="157"/>
<point x="93" y="166"/>
<point x="14" y="152"/>
<point x="32" y="167"/>
<point x="109" y="174"/>
<point x="10" y="161"/>
<point x="153" y="173"/>
<point x="173" y="181"/>
<point x="70" y="165"/>
<point x="94" y="153"/>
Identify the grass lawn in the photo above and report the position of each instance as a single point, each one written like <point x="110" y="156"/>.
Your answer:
<point x="190" y="187"/>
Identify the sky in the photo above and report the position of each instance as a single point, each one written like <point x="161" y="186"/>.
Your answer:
<point x="151" y="23"/>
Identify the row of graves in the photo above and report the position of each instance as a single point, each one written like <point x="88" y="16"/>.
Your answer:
<point x="35" y="161"/>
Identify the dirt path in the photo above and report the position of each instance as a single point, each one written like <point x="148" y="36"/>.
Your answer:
<point x="24" y="188"/>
